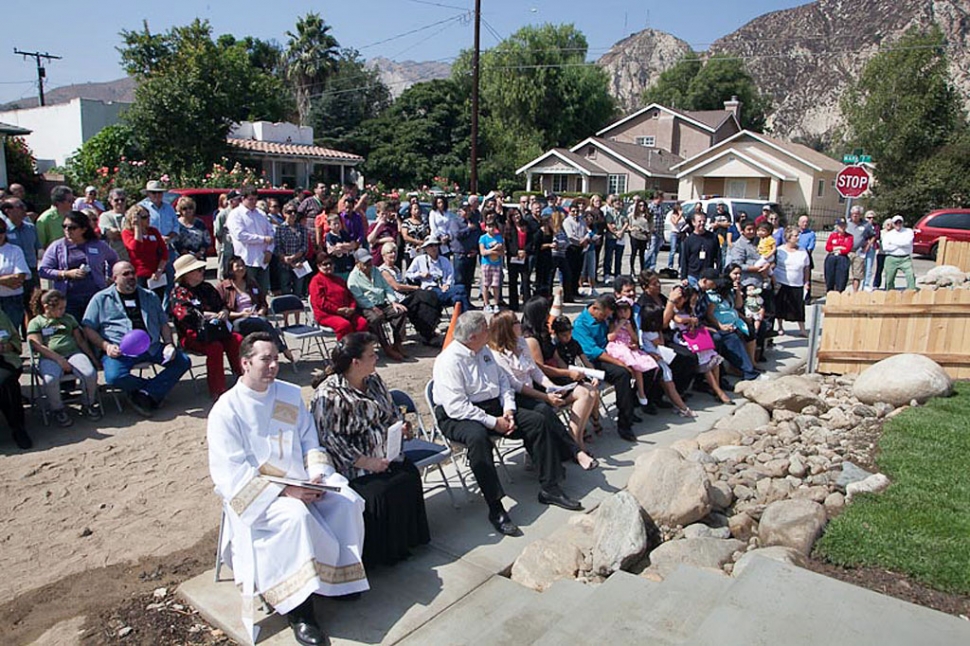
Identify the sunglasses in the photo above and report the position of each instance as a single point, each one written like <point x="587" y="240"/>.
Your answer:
<point x="70" y="227"/>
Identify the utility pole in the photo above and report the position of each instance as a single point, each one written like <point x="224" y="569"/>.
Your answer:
<point x="475" y="60"/>
<point x="41" y="72"/>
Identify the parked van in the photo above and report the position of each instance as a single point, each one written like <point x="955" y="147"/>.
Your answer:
<point x="751" y="208"/>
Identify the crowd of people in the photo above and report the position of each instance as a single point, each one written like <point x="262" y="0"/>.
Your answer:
<point x="318" y="483"/>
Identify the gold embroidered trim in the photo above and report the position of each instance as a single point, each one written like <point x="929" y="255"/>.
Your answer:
<point x="307" y="572"/>
<point x="269" y="469"/>
<point x="242" y="500"/>
<point x="316" y="456"/>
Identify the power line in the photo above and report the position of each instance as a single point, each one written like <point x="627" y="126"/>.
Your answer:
<point x="415" y="31"/>
<point x="438" y="4"/>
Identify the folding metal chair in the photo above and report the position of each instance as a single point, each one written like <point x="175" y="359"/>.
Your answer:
<point x="38" y="399"/>
<point x="289" y="305"/>
<point x="140" y="367"/>
<point x="460" y="450"/>
<point x="430" y="449"/>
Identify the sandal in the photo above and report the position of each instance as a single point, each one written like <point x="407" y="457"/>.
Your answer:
<point x="593" y="463"/>
<point x="686" y="412"/>
<point x="597" y="426"/>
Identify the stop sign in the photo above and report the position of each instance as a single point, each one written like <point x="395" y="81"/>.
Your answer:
<point x="852" y="181"/>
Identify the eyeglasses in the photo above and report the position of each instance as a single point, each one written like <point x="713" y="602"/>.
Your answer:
<point x="326" y="264"/>
<point x="3" y="232"/>
<point x="289" y="212"/>
<point x="70" y="227"/>
<point x="127" y="272"/>
<point x="143" y="217"/>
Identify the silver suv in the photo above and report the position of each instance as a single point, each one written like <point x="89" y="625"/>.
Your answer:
<point x="751" y="208"/>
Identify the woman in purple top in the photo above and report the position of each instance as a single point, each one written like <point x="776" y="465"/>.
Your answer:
<point x="78" y="263"/>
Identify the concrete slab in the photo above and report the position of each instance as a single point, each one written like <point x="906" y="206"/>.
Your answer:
<point x="401" y="599"/>
<point x="775" y="603"/>
<point x="465" y="621"/>
<point x="531" y="620"/>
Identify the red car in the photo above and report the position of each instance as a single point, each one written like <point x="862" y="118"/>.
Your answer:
<point x="207" y="202"/>
<point x="954" y="224"/>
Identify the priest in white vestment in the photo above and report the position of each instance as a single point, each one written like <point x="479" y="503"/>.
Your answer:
<point x="284" y="542"/>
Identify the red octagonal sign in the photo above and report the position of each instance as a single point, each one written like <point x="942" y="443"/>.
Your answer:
<point x="852" y="181"/>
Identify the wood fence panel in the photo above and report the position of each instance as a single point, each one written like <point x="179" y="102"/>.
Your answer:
<point x="862" y="328"/>
<point x="952" y="252"/>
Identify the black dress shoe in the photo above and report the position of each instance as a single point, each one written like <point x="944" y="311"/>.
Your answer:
<point x="650" y="408"/>
<point x="626" y="434"/>
<point x="307" y="633"/>
<point x="663" y="403"/>
<point x="504" y="525"/>
<point x="21" y="438"/>
<point x="636" y="419"/>
<point x="559" y="499"/>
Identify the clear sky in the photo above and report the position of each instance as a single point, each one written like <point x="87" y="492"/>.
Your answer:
<point x="85" y="34"/>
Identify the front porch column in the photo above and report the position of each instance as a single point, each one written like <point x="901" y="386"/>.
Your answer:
<point x="342" y="170"/>
<point x="528" y="181"/>
<point x="585" y="184"/>
<point x="775" y="191"/>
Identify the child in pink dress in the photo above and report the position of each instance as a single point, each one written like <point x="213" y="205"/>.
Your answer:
<point x="623" y="345"/>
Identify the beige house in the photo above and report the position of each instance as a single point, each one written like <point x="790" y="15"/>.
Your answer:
<point x="635" y="153"/>
<point x="755" y="166"/>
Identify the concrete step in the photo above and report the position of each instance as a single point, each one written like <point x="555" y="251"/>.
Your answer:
<point x="613" y="613"/>
<point x="534" y="619"/>
<point x="489" y="605"/>
<point x="775" y="603"/>
<point x="683" y="601"/>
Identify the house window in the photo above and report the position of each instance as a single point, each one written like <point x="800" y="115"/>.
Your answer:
<point x="560" y="183"/>
<point x="287" y="174"/>
<point x="736" y="188"/>
<point x="591" y="152"/>
<point x="616" y="184"/>
<point x="649" y="142"/>
<point x="821" y="188"/>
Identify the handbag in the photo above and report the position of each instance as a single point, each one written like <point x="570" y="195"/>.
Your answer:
<point x="698" y="340"/>
<point x="213" y="330"/>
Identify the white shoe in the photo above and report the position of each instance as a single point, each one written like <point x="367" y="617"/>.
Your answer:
<point x="643" y="401"/>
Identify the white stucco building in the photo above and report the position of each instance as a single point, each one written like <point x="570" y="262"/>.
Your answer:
<point x="59" y="130"/>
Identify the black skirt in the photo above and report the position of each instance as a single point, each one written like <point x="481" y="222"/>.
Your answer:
<point x="394" y="516"/>
<point x="790" y="304"/>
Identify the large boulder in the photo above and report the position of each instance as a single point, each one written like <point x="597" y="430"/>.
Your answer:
<point x="546" y="561"/>
<point x="710" y="440"/>
<point x="792" y="523"/>
<point x="943" y="276"/>
<point x="670" y="489"/>
<point x="792" y="393"/>
<point x="620" y="534"/>
<point x="775" y="553"/>
<point x="901" y="379"/>
<point x="696" y="552"/>
<point x="747" y="417"/>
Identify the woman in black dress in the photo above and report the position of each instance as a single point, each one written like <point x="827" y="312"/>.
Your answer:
<point x="353" y="410"/>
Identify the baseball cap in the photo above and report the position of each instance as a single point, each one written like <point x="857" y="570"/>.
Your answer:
<point x="840" y="222"/>
<point x="363" y="255"/>
<point x="898" y="218"/>
<point x="233" y="194"/>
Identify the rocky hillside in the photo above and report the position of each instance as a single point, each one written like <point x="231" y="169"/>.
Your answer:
<point x="122" y="89"/>
<point x="804" y="57"/>
<point x="400" y="75"/>
<point x="635" y="62"/>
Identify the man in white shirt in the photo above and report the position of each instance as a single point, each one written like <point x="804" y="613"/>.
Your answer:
<point x="434" y="272"/>
<point x="252" y="237"/>
<point x="897" y="244"/>
<point x="282" y="541"/>
<point x="475" y="402"/>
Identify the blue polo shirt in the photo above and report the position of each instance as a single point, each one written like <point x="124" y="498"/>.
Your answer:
<point x="590" y="334"/>
<point x="25" y="236"/>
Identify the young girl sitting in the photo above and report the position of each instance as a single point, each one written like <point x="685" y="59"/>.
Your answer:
<point x="624" y="347"/>
<point x="652" y="342"/>
<point x="57" y="338"/>
<point x="684" y="301"/>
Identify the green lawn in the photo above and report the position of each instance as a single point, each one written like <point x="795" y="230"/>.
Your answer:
<point x="920" y="526"/>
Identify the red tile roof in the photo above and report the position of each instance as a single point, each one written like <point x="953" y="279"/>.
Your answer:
<point x="292" y="150"/>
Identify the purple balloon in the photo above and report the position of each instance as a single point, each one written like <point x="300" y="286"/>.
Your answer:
<point x="135" y="343"/>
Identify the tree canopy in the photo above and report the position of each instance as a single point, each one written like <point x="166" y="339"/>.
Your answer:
<point x="352" y="94"/>
<point x="693" y="85"/>
<point x="311" y="57"/>
<point x="190" y="90"/>
<point x="903" y="111"/>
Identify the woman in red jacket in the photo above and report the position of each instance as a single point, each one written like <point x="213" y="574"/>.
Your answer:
<point x="837" y="262"/>
<point x="332" y="303"/>
<point x="146" y="248"/>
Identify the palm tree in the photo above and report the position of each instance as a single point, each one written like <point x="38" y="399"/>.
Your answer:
<point x="311" y="56"/>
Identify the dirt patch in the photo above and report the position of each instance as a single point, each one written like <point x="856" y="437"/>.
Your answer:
<point x="896" y="585"/>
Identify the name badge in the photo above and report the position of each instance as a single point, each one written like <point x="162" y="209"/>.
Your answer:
<point x="702" y="255"/>
<point x="130" y="303"/>
<point x="11" y="235"/>
<point x="94" y="251"/>
<point x="286" y="413"/>
<point x="255" y="291"/>
<point x="151" y="238"/>
<point x="4" y="335"/>
<point x="48" y="331"/>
